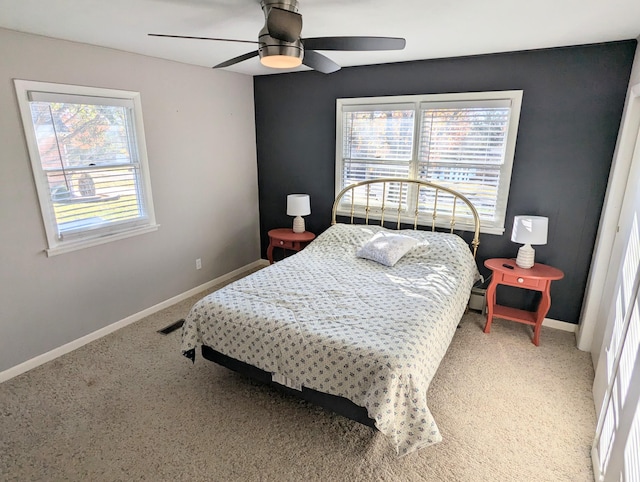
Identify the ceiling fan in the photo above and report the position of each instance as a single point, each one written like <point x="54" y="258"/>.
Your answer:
<point x="280" y="45"/>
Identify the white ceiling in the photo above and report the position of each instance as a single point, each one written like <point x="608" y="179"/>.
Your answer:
<point x="433" y="29"/>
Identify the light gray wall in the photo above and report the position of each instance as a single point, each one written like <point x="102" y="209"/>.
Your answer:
<point x="200" y="133"/>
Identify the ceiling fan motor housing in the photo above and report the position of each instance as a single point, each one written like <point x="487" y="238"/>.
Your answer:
<point x="270" y="47"/>
<point x="291" y="5"/>
<point x="280" y="52"/>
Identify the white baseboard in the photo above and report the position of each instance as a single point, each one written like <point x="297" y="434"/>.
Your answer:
<point x="73" y="345"/>
<point x="560" y="325"/>
<point x="551" y="323"/>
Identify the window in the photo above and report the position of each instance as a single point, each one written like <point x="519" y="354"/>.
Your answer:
<point x="89" y="163"/>
<point x="462" y="141"/>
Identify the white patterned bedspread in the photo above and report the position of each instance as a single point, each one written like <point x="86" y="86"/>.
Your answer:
<point x="348" y="326"/>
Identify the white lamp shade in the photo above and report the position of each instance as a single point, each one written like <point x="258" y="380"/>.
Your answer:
<point x="530" y="229"/>
<point x="298" y="205"/>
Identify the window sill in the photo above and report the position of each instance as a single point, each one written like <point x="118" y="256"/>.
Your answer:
<point x="87" y="243"/>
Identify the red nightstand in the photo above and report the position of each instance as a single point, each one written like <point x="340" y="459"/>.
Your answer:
<point x="285" y="238"/>
<point x="538" y="278"/>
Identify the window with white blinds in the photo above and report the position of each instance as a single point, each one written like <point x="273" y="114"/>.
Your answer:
<point x="462" y="141"/>
<point x="89" y="161"/>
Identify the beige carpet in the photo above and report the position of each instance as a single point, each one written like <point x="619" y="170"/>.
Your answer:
<point x="130" y="407"/>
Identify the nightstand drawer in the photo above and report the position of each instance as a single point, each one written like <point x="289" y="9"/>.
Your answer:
<point x="284" y="244"/>
<point x="521" y="281"/>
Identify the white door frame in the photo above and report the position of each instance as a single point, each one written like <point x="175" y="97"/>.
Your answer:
<point x="616" y="306"/>
<point x="601" y="282"/>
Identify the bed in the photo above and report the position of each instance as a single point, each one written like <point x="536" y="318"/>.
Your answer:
<point x="336" y="327"/>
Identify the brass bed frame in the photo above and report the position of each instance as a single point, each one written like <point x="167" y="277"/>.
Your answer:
<point x="409" y="207"/>
<point x="412" y="199"/>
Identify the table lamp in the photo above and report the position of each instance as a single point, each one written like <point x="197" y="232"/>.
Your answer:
<point x="298" y="205"/>
<point x="528" y="230"/>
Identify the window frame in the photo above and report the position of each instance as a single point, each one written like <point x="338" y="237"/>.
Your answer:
<point x="84" y="238"/>
<point x="514" y="97"/>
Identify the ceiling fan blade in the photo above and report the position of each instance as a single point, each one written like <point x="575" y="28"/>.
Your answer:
<point x="236" y="60"/>
<point x="201" y="38"/>
<point x="284" y="24"/>
<point x="354" y="43"/>
<point x="319" y="62"/>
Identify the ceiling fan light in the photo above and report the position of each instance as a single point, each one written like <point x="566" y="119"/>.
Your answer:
<point x="281" y="61"/>
<point x="280" y="55"/>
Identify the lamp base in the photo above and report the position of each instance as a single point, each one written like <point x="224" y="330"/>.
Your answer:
<point x="526" y="256"/>
<point x="298" y="224"/>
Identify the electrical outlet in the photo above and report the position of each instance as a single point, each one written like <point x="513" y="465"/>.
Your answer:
<point x="198" y="263"/>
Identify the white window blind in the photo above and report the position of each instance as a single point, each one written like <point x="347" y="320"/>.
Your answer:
<point x="464" y="147"/>
<point x="462" y="141"/>
<point x="618" y="439"/>
<point x="617" y="444"/>
<point x="89" y="162"/>
<point x="378" y="142"/>
<point x="632" y="452"/>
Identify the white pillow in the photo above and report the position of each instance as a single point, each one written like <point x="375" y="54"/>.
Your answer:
<point x="386" y="248"/>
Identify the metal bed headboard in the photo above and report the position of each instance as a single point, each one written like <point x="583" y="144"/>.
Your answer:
<point x="420" y="196"/>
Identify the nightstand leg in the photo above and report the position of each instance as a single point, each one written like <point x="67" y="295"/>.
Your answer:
<point x="491" y="302"/>
<point x="270" y="253"/>
<point x="543" y="309"/>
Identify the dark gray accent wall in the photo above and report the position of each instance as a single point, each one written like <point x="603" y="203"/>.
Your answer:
<point x="571" y="111"/>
